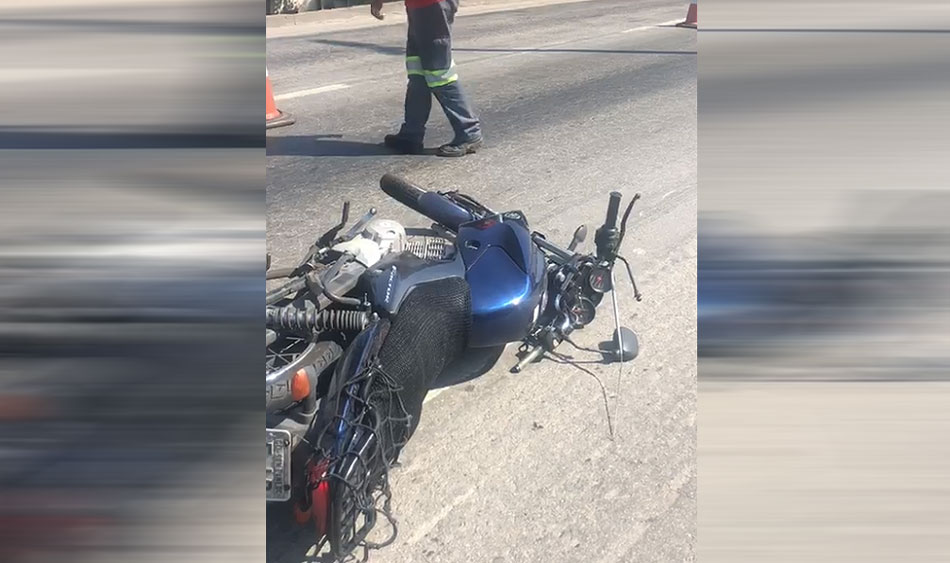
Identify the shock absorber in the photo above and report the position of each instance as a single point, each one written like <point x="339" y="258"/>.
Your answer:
<point x="302" y="320"/>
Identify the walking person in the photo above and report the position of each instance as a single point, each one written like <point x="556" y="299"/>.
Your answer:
<point x="431" y="73"/>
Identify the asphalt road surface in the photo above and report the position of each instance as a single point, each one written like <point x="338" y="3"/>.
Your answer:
<point x="577" y="100"/>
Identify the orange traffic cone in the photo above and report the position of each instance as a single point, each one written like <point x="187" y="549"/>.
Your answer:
<point x="275" y="117"/>
<point x="691" y="18"/>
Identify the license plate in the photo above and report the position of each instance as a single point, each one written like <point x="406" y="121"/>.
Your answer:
<point x="278" y="465"/>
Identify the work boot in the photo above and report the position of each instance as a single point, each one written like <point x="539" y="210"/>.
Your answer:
<point x="456" y="148"/>
<point x="403" y="144"/>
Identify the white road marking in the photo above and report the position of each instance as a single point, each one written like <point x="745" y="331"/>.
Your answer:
<point x="311" y="91"/>
<point x="428" y="526"/>
<point x="433" y="394"/>
<point x="334" y="87"/>
<point x="652" y="26"/>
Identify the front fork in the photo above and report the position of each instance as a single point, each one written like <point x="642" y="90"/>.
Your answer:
<point x="549" y="336"/>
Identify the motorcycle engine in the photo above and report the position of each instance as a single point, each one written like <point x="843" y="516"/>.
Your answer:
<point x="430" y="247"/>
<point x="379" y="238"/>
<point x="385" y="236"/>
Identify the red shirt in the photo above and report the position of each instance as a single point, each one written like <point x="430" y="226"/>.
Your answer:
<point x="414" y="4"/>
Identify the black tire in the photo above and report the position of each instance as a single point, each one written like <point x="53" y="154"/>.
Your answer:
<point x="342" y="543"/>
<point x="402" y="190"/>
<point x="340" y="534"/>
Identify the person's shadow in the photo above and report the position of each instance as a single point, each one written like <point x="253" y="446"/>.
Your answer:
<point x="322" y="145"/>
<point x="327" y="145"/>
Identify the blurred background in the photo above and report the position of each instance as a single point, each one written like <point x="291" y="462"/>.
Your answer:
<point x="131" y="245"/>
<point x="131" y="252"/>
<point x="297" y="6"/>
<point x="823" y="300"/>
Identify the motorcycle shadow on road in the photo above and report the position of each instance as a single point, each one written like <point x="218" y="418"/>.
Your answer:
<point x="474" y="364"/>
<point x="322" y="145"/>
<point x="478" y="362"/>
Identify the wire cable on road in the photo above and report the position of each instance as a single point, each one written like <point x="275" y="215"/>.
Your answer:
<point x="570" y="361"/>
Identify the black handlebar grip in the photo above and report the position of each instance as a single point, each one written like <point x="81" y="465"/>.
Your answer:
<point x="613" y="208"/>
<point x="402" y="190"/>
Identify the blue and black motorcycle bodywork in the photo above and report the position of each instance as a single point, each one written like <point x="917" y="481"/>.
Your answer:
<point x="504" y="271"/>
<point x="358" y="335"/>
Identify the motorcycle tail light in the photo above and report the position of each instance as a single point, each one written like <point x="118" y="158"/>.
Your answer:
<point x="320" y="497"/>
<point x="321" y="507"/>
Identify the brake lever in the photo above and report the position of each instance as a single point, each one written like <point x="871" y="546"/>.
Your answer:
<point x="623" y="222"/>
<point x="358" y="226"/>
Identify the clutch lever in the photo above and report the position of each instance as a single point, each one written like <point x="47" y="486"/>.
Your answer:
<point x="320" y="245"/>
<point x="623" y="222"/>
<point x="328" y="236"/>
<point x="636" y="292"/>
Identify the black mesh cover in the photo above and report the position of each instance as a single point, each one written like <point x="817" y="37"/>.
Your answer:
<point x="430" y="331"/>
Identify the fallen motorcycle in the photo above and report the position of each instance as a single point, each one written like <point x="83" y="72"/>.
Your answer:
<point x="361" y="328"/>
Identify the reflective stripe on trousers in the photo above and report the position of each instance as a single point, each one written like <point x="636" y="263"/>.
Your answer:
<point x="434" y="78"/>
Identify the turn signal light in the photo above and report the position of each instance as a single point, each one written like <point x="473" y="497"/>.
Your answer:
<point x="300" y="385"/>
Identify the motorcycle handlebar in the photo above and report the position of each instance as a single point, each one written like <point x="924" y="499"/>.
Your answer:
<point x="561" y="254"/>
<point x="613" y="208"/>
<point x="402" y="190"/>
<point x="433" y="205"/>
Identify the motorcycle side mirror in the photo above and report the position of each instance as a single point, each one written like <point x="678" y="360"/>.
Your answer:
<point x="630" y="342"/>
<point x="580" y="235"/>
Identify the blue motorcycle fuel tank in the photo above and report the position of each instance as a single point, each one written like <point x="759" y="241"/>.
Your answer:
<point x="503" y="267"/>
<point x="506" y="273"/>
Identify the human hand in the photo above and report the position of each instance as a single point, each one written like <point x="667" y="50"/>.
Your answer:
<point x="376" y="8"/>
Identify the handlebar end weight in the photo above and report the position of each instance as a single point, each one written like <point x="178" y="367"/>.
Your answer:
<point x="607" y="236"/>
